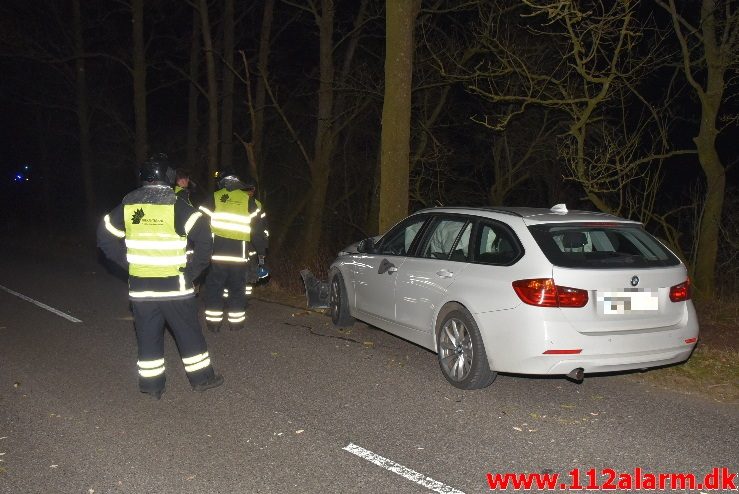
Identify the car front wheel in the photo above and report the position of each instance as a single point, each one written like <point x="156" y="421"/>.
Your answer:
<point x="339" y="302"/>
<point x="462" y="356"/>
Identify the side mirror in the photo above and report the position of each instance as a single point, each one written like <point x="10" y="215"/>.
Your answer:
<point x="366" y="246"/>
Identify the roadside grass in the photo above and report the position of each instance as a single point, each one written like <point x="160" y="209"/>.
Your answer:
<point x="711" y="372"/>
<point x="713" y="368"/>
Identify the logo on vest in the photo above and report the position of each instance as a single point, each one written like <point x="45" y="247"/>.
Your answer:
<point x="224" y="198"/>
<point x="137" y="216"/>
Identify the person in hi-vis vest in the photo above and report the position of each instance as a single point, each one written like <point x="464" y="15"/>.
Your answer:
<point x="147" y="235"/>
<point x="182" y="185"/>
<point x="240" y="240"/>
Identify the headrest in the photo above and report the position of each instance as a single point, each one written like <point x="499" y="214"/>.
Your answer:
<point x="574" y="240"/>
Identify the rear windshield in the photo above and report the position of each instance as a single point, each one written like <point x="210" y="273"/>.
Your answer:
<point x="593" y="245"/>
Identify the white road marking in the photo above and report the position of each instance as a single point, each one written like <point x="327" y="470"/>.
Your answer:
<point x="42" y="305"/>
<point x="409" y="474"/>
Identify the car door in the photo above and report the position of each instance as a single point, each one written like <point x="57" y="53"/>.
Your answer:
<point x="375" y="272"/>
<point x="424" y="280"/>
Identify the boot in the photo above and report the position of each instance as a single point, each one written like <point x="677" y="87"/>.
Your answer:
<point x="213" y="326"/>
<point x="157" y="395"/>
<point x="215" y="381"/>
<point x="237" y="326"/>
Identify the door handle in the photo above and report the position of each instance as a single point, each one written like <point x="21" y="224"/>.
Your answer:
<point x="443" y="273"/>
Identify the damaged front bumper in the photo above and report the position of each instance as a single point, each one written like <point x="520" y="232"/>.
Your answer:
<point x="316" y="291"/>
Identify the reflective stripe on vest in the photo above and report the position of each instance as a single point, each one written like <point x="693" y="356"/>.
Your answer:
<point x="231" y="218"/>
<point x="243" y="258"/>
<point x="154" y="249"/>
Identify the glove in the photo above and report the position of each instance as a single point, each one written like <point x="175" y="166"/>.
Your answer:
<point x="262" y="270"/>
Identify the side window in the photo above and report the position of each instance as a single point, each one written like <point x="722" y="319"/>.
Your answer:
<point x="398" y="241"/>
<point x="461" y="251"/>
<point x="496" y="245"/>
<point x="447" y="240"/>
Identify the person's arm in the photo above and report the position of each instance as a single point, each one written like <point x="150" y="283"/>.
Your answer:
<point x="260" y="232"/>
<point x="197" y="229"/>
<point x="110" y="237"/>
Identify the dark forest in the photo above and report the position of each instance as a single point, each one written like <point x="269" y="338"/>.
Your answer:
<point x="627" y="107"/>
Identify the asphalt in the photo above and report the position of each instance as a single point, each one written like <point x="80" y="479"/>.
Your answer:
<point x="298" y="392"/>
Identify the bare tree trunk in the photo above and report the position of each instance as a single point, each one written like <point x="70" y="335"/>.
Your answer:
<point x="396" y="111"/>
<point x="212" y="91"/>
<point x="321" y="165"/>
<point x="710" y="99"/>
<point x="228" y="85"/>
<point x="193" y="163"/>
<point x="351" y="49"/>
<point x="83" y="114"/>
<point x="257" y="132"/>
<point x="373" y="211"/>
<point x="139" y="83"/>
<point x="718" y="53"/>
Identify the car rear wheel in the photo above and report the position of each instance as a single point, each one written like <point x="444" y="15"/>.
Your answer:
<point x="339" y="302"/>
<point x="462" y="356"/>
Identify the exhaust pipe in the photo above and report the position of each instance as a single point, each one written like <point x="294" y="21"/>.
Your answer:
<point x="576" y="375"/>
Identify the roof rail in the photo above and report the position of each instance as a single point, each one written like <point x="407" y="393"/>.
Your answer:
<point x="481" y="208"/>
<point x="504" y="211"/>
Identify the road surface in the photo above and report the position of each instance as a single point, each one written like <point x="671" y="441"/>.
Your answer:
<point x="305" y="408"/>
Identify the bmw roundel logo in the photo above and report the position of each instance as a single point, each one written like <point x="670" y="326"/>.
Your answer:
<point x="634" y="280"/>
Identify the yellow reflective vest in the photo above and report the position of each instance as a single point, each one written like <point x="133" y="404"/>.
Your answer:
<point x="231" y="217"/>
<point x="154" y="249"/>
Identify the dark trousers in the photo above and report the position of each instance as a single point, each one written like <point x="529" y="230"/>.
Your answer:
<point x="182" y="317"/>
<point x="233" y="277"/>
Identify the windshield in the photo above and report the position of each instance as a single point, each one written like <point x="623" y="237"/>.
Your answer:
<point x="604" y="245"/>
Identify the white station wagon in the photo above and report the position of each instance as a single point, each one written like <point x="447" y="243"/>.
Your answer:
<point x="518" y="290"/>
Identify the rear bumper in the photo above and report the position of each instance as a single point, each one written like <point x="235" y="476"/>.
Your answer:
<point x="516" y="347"/>
<point x="612" y="363"/>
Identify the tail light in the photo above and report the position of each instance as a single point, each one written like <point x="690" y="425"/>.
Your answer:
<point x="542" y="292"/>
<point x="681" y="292"/>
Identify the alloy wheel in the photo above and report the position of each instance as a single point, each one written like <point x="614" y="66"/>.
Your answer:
<point x="455" y="349"/>
<point x="334" y="299"/>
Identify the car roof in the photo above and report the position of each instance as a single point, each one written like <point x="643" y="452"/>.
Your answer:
<point x="557" y="214"/>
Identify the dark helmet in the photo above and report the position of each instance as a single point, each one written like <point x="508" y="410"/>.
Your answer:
<point x="249" y="183"/>
<point x="157" y="169"/>
<point x="229" y="179"/>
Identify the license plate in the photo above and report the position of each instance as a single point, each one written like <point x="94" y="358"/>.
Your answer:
<point x="627" y="301"/>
